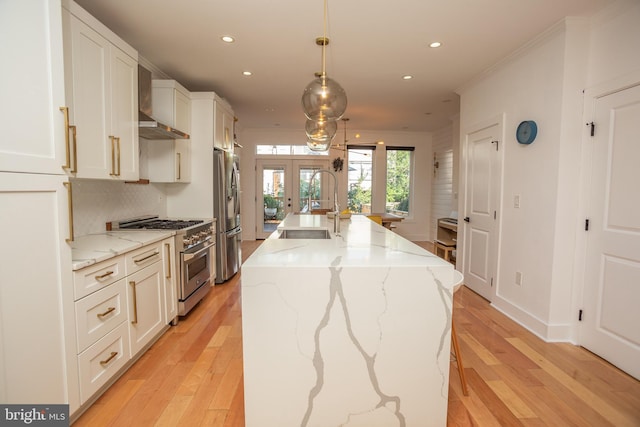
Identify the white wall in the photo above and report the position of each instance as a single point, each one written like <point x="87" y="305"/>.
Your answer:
<point x="544" y="82"/>
<point x="416" y="228"/>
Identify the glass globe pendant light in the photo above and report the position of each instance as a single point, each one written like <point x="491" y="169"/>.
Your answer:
<point x="320" y="134"/>
<point x="324" y="98"/>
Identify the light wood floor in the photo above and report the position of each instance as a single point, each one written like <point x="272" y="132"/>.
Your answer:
<point x="193" y="375"/>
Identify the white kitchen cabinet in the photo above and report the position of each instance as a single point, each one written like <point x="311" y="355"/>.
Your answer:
<point x="101" y="85"/>
<point x="32" y="87"/>
<point x="170" y="160"/>
<point x="224" y="122"/>
<point x="38" y="363"/>
<point x="170" y="270"/>
<point x="145" y="288"/>
<point x="102" y="360"/>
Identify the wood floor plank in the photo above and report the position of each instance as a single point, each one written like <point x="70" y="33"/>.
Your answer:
<point x="499" y="408"/>
<point x="511" y="400"/>
<point x="601" y="406"/>
<point x="192" y="375"/>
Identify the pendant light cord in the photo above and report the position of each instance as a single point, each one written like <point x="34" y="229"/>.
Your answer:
<point x="324" y="43"/>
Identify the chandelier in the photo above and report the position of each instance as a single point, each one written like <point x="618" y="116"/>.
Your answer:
<point x="323" y="102"/>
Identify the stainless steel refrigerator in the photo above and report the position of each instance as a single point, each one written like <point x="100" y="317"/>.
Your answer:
<point x="226" y="209"/>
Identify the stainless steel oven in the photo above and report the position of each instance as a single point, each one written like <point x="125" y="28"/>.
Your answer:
<point x="195" y="273"/>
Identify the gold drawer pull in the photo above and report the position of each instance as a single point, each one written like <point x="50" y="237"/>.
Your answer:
<point x="109" y="310"/>
<point x="102" y="276"/>
<point x="138" y="261"/>
<point x="110" y="358"/>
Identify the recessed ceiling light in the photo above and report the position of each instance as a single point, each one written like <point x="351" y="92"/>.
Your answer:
<point x="227" y="39"/>
<point x="407" y="77"/>
<point x="247" y="73"/>
<point x="435" y="44"/>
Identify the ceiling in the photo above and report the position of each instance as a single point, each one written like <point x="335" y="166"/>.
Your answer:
<point x="373" y="43"/>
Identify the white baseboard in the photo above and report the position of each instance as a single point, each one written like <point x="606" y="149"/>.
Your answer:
<point x="545" y="331"/>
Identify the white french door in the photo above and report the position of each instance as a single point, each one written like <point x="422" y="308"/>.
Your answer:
<point x="611" y="317"/>
<point x="480" y="212"/>
<point x="285" y="185"/>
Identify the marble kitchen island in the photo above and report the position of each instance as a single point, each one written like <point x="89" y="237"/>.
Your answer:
<point x="353" y="330"/>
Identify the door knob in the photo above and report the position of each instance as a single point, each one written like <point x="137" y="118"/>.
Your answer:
<point x="467" y="219"/>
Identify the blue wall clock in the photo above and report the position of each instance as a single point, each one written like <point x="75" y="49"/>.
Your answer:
<point x="526" y="132"/>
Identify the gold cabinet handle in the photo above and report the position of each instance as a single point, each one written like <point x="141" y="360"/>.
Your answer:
<point x="102" y="276"/>
<point x="118" y="144"/>
<point x="179" y="155"/>
<point x="109" y="359"/>
<point x="109" y="310"/>
<point x="113" y="155"/>
<point x="65" y="112"/>
<point x="167" y="246"/>
<point x="134" y="321"/>
<point x="70" y="208"/>
<point x="138" y="261"/>
<point x="74" y="169"/>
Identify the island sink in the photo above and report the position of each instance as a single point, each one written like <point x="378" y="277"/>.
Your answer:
<point x="305" y="234"/>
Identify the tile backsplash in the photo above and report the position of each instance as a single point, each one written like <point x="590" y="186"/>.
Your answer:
<point x="97" y="202"/>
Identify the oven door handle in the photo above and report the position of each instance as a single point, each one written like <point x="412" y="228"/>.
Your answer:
<point x="187" y="257"/>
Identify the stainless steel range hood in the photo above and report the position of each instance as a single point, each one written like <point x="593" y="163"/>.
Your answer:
<point x="149" y="128"/>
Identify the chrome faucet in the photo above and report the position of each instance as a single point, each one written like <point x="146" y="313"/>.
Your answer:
<point x="336" y="208"/>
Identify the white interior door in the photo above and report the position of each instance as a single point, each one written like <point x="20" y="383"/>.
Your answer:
<point x="284" y="184"/>
<point x="611" y="319"/>
<point x="480" y="213"/>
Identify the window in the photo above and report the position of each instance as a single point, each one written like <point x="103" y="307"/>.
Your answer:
<point x="288" y="150"/>
<point x="360" y="175"/>
<point x="399" y="165"/>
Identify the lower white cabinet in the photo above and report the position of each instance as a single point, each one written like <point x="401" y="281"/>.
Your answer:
<point x="38" y="362"/>
<point x="101" y="361"/>
<point x="121" y="305"/>
<point x="145" y="296"/>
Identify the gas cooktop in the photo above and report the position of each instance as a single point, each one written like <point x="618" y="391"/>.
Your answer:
<point x="156" y="223"/>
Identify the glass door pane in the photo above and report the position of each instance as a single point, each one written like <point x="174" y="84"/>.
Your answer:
<point x="274" y="202"/>
<point x="283" y="187"/>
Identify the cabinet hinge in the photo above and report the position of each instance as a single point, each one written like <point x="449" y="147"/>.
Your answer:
<point x="580" y="316"/>
<point x="586" y="224"/>
<point x="593" y="128"/>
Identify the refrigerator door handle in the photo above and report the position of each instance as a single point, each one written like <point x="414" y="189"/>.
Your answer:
<point x="233" y="233"/>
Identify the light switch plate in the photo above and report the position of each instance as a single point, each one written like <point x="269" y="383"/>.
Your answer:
<point x="516" y="201"/>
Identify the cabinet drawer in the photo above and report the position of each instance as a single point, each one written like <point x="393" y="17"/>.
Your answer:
<point x="143" y="257"/>
<point x="97" y="276"/>
<point x="99" y="313"/>
<point x="101" y="361"/>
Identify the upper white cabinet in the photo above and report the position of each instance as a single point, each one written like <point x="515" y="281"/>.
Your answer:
<point x="101" y="83"/>
<point x="32" y="87"/>
<point x="169" y="160"/>
<point x="224" y="122"/>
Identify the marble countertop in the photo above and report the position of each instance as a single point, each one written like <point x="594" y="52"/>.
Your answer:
<point x="365" y="314"/>
<point x="361" y="243"/>
<point x="93" y="248"/>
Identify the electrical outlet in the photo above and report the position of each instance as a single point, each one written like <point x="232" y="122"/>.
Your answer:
<point x="516" y="201"/>
<point x="518" y="278"/>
